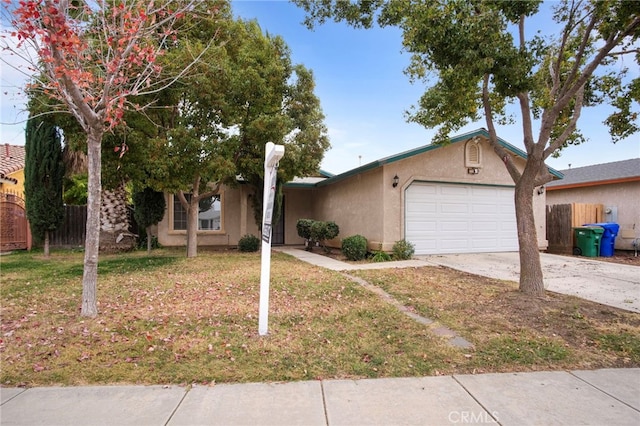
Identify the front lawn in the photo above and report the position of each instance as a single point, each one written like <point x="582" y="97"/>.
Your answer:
<point x="169" y="319"/>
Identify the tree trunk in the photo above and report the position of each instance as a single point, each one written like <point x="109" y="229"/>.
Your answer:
<point x="92" y="239"/>
<point x="149" y="239"/>
<point x="531" y="279"/>
<point x="192" y="227"/>
<point x="114" y="221"/>
<point x="46" y="243"/>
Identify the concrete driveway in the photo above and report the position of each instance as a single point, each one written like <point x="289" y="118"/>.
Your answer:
<point x="603" y="282"/>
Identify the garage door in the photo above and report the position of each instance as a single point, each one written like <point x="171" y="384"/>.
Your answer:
<point x="451" y="218"/>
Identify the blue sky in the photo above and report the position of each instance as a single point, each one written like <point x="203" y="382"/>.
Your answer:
<point x="363" y="92"/>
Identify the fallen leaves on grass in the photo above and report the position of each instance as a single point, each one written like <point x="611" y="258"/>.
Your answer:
<point x="182" y="320"/>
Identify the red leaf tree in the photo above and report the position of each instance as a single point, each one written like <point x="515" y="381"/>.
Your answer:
<point x="94" y="57"/>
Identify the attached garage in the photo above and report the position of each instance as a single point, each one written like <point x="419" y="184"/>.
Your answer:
<point x="442" y="218"/>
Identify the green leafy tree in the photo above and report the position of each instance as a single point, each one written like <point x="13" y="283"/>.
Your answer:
<point x="216" y="122"/>
<point x="274" y="101"/>
<point x="44" y="172"/>
<point x="213" y="124"/>
<point x="149" y="210"/>
<point x="476" y="60"/>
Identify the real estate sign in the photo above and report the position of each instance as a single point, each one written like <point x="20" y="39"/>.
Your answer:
<point x="269" y="200"/>
<point x="273" y="154"/>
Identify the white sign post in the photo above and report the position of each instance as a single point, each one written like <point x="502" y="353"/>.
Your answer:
<point x="273" y="154"/>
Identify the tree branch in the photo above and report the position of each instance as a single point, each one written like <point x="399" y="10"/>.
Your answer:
<point x="580" y="53"/>
<point x="214" y="191"/>
<point x="493" y="136"/>
<point x="624" y="52"/>
<point x="595" y="62"/>
<point x="570" y="128"/>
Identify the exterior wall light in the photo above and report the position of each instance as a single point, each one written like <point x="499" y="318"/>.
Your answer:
<point x="473" y="170"/>
<point x="541" y="190"/>
<point x="396" y="179"/>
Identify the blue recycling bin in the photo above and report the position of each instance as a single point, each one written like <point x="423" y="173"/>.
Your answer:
<point x="608" y="241"/>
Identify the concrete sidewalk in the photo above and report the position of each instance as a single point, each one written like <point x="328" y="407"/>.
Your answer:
<point x="600" y="397"/>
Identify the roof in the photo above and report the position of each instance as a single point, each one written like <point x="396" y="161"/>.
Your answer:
<point x="391" y="159"/>
<point x="599" y="174"/>
<point x="305" y="181"/>
<point x="11" y="159"/>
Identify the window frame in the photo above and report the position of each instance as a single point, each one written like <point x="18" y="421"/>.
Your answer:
<point x="171" y="207"/>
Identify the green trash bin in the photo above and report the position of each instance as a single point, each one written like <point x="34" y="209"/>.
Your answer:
<point x="588" y="240"/>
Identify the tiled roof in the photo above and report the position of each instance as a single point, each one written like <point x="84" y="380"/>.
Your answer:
<point x="618" y="170"/>
<point x="11" y="159"/>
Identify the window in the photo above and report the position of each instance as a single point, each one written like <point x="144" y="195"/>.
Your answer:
<point x="209" y="214"/>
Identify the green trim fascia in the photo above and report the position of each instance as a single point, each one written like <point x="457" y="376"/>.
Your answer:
<point x="325" y="173"/>
<point x="410" y="153"/>
<point x="352" y="172"/>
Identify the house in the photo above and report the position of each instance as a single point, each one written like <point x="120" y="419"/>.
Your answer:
<point x="12" y="169"/>
<point x="615" y="185"/>
<point x="14" y="229"/>
<point x="456" y="198"/>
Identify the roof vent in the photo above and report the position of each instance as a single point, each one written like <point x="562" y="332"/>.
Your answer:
<point x="473" y="153"/>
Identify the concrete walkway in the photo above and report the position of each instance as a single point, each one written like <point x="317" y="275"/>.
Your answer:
<point x="600" y="397"/>
<point x="337" y="265"/>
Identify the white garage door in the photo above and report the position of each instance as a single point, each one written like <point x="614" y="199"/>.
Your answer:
<point x="449" y="218"/>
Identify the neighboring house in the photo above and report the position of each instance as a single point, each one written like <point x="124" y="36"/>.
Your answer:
<point x="614" y="185"/>
<point x="14" y="229"/>
<point x="12" y="169"/>
<point x="457" y="198"/>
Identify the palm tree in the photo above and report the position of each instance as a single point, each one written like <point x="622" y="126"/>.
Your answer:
<point x="114" y="219"/>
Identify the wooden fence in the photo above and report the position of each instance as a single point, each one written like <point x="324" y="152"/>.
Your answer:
<point x="71" y="233"/>
<point x="562" y="218"/>
<point x="15" y="233"/>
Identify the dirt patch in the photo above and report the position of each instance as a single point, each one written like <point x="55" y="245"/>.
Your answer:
<point x="623" y="257"/>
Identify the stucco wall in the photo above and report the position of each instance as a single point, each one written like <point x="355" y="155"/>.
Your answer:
<point x="356" y="204"/>
<point x="623" y="197"/>
<point x="237" y="220"/>
<point x="368" y="204"/>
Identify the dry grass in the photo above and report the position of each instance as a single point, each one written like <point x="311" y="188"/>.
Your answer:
<point x="168" y="319"/>
<point x="512" y="331"/>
